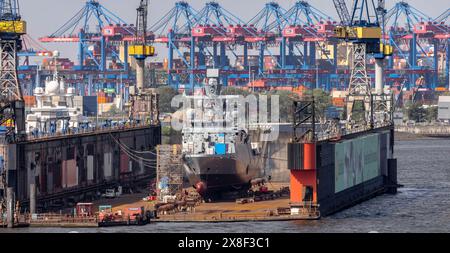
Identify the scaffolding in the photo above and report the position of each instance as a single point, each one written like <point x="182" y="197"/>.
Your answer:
<point x="169" y="173"/>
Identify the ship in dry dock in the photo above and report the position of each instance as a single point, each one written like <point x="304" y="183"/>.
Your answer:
<point x="218" y="154"/>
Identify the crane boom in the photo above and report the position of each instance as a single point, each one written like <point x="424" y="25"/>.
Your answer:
<point x="141" y="23"/>
<point x="342" y="11"/>
<point x="140" y="50"/>
<point x="9" y="10"/>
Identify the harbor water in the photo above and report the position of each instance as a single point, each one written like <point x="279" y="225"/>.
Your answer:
<point x="422" y="205"/>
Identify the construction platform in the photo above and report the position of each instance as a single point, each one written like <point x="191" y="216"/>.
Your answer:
<point x="268" y="210"/>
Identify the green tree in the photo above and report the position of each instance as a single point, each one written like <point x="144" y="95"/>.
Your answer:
<point x="431" y="113"/>
<point x="113" y="111"/>
<point x="234" y="91"/>
<point x="166" y="93"/>
<point x="166" y="131"/>
<point x="359" y="111"/>
<point x="170" y="136"/>
<point x="416" y="112"/>
<point x="322" y="100"/>
<point x="285" y="103"/>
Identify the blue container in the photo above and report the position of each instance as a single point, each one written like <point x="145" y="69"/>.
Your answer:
<point x="220" y="148"/>
<point x="90" y="105"/>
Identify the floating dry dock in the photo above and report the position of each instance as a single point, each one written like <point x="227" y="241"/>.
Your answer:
<point x="66" y="169"/>
<point x="325" y="176"/>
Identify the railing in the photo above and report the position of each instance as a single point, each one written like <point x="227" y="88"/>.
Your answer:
<point x="219" y="216"/>
<point x="89" y="130"/>
<point x="311" y="211"/>
<point x="326" y="136"/>
<point x="59" y="218"/>
<point x="425" y="129"/>
<point x="307" y="209"/>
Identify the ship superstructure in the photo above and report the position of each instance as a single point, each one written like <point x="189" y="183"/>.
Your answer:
<point x="55" y="110"/>
<point x="216" y="146"/>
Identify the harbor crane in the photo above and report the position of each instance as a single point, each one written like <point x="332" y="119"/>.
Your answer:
<point x="143" y="100"/>
<point x="12" y="107"/>
<point x="364" y="29"/>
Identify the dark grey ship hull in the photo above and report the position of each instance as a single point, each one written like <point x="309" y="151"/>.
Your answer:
<point x="210" y="174"/>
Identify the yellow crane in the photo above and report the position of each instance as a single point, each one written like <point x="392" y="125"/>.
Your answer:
<point x="144" y="101"/>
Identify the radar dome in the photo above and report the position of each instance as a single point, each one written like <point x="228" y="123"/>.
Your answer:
<point x="38" y="91"/>
<point x="55" y="53"/>
<point x="52" y="87"/>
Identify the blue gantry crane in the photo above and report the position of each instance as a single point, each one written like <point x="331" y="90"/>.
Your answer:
<point x="95" y="45"/>
<point x="174" y="30"/>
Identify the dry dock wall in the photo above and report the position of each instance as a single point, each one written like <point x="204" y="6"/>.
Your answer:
<point x="352" y="169"/>
<point x="275" y="153"/>
<point x="344" y="172"/>
<point x="73" y="163"/>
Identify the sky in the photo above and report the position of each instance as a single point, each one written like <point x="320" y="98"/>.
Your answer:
<point x="45" y="16"/>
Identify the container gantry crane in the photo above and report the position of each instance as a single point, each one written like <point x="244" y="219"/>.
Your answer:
<point x="12" y="118"/>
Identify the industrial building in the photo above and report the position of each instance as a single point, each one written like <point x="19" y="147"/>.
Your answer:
<point x="444" y="108"/>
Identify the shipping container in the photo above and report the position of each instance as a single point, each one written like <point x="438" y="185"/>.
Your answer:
<point x="90" y="105"/>
<point x="30" y="101"/>
<point x="338" y="102"/>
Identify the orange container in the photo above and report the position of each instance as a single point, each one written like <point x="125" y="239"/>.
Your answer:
<point x="287" y="88"/>
<point x="257" y="84"/>
<point x="101" y="100"/>
<point x="30" y="101"/>
<point x="339" y="102"/>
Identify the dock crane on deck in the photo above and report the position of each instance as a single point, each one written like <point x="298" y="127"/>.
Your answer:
<point x="143" y="100"/>
<point x="364" y="29"/>
<point x="12" y="107"/>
